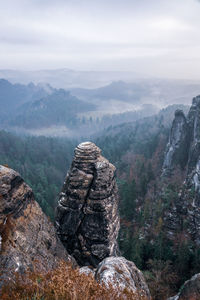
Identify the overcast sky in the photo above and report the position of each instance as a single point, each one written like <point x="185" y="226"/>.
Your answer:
<point x="153" y="37"/>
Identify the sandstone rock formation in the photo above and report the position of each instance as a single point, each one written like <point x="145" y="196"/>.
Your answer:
<point x="183" y="152"/>
<point x="27" y="236"/>
<point x="122" y="274"/>
<point x="190" y="290"/>
<point x="87" y="217"/>
<point x="29" y="239"/>
<point x="193" y="172"/>
<point x="177" y="148"/>
<point x="183" y="148"/>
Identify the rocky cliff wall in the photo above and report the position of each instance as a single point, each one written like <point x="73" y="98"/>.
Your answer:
<point x="177" y="150"/>
<point x="183" y="148"/>
<point x="183" y="153"/>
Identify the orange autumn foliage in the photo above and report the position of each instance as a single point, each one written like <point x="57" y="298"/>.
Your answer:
<point x="62" y="283"/>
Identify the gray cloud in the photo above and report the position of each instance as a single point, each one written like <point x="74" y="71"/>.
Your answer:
<point x="156" y="37"/>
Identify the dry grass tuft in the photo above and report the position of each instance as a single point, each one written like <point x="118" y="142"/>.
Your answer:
<point x="62" y="283"/>
<point x="5" y="228"/>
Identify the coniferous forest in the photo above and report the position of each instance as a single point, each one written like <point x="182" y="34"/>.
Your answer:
<point x="100" y="150"/>
<point x="138" y="157"/>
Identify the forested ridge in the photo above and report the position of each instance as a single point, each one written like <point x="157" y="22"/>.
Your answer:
<point x="41" y="161"/>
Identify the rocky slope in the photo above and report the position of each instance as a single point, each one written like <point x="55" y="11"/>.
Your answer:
<point x="27" y="237"/>
<point x="87" y="214"/>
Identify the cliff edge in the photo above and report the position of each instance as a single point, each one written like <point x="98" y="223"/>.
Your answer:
<point x="27" y="237"/>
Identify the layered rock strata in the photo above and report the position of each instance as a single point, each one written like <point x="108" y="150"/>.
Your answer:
<point x="28" y="238"/>
<point x="87" y="217"/>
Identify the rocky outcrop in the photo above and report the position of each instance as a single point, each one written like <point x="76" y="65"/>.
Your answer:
<point x="183" y="148"/>
<point x="87" y="217"/>
<point x="190" y="290"/>
<point x="177" y="147"/>
<point x="193" y="174"/>
<point x="183" y="153"/>
<point x="28" y="238"/>
<point x="123" y="274"/>
<point x="87" y="222"/>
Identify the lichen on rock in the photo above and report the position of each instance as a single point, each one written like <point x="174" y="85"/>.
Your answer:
<point x="122" y="274"/>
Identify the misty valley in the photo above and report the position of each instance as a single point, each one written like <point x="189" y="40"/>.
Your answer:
<point x="40" y="109"/>
<point x="149" y="130"/>
<point x="99" y="150"/>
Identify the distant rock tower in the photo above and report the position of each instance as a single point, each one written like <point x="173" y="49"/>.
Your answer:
<point x="87" y="218"/>
<point x="183" y="153"/>
<point x="183" y="148"/>
<point x="177" y="148"/>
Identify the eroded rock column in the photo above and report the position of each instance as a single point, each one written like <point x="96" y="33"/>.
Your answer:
<point x="87" y="218"/>
<point x="178" y="146"/>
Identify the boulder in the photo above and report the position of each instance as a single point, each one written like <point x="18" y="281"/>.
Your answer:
<point x="122" y="274"/>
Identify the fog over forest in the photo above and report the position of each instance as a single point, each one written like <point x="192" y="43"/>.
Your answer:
<point x="105" y="97"/>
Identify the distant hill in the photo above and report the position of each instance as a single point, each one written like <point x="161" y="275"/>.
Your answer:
<point x="118" y="90"/>
<point x="67" y="78"/>
<point x="59" y="108"/>
<point x="14" y="95"/>
<point x="43" y="110"/>
<point x="38" y="106"/>
<point x="161" y="92"/>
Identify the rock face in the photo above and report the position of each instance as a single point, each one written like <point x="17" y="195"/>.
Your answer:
<point x="87" y="217"/>
<point x="190" y="290"/>
<point x="183" y="148"/>
<point x="177" y="148"/>
<point x="183" y="152"/>
<point x="193" y="172"/>
<point x="27" y="236"/>
<point x="122" y="274"/>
